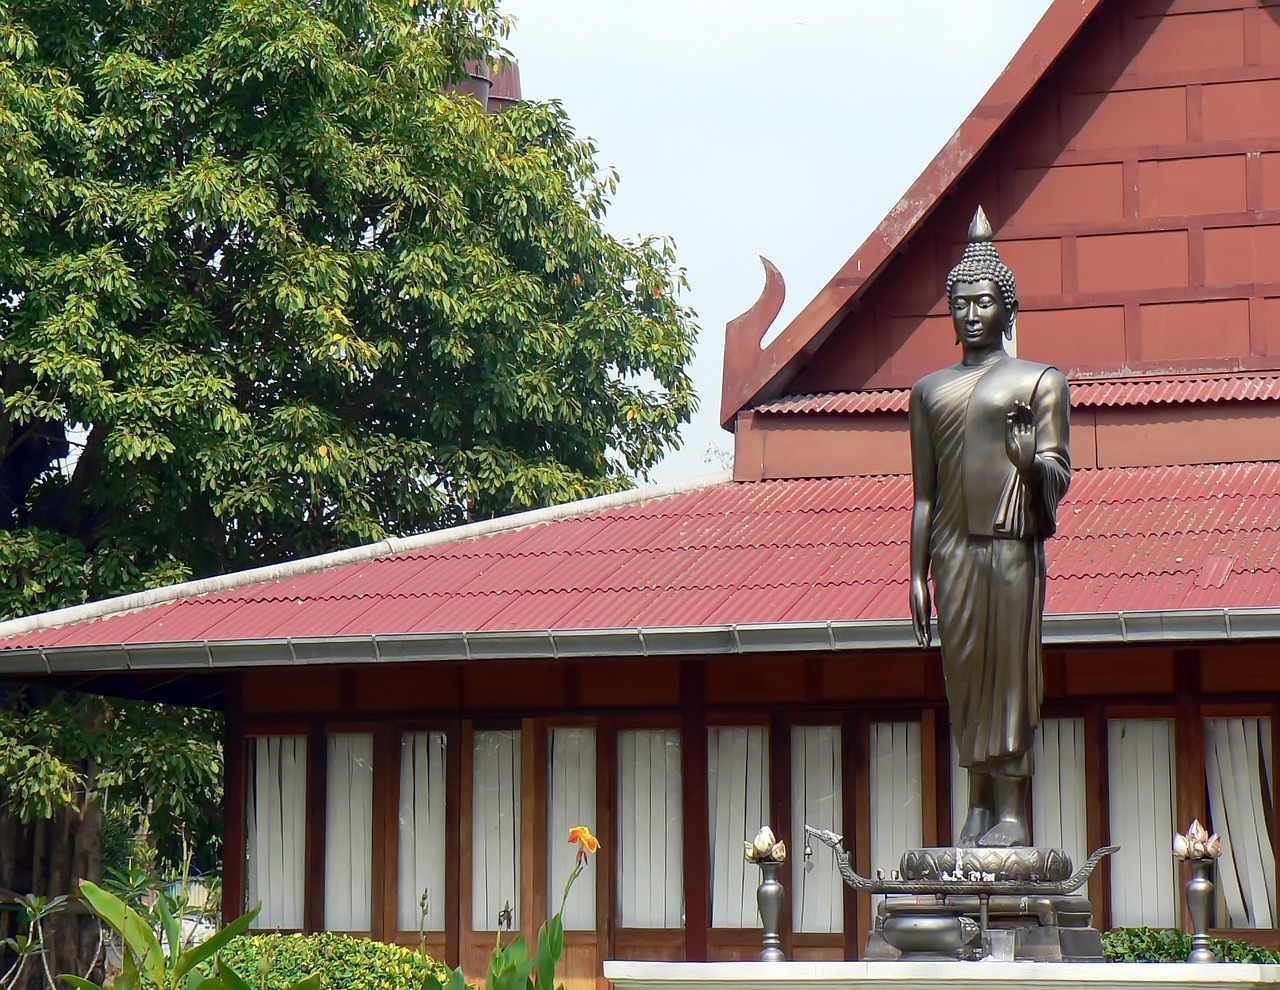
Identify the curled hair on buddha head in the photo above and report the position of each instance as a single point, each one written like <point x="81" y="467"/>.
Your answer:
<point x="981" y="262"/>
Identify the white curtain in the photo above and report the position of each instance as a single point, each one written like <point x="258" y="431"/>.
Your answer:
<point x="495" y="828"/>
<point x="1058" y="794"/>
<point x="1140" y="757"/>
<point x="895" y="792"/>
<point x="422" y="831"/>
<point x="348" y="834"/>
<point x="650" y="830"/>
<point x="1238" y="773"/>
<point x="817" y="893"/>
<point x="738" y="798"/>
<point x="277" y="828"/>
<point x="572" y="801"/>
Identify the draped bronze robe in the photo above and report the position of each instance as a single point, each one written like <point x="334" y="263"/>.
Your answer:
<point x="986" y="544"/>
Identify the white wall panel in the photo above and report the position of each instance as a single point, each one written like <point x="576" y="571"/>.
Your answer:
<point x="495" y="828"/>
<point x="1238" y="774"/>
<point x="1140" y="757"/>
<point x="348" y="852"/>
<point x="277" y="828"/>
<point x="738" y="798"/>
<point x="895" y="792"/>
<point x="1059" y="797"/>
<point x="817" y="799"/>
<point x="572" y="801"/>
<point x="422" y="831"/>
<point x="650" y="830"/>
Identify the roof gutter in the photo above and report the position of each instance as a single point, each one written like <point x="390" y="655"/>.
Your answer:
<point x="1226" y="625"/>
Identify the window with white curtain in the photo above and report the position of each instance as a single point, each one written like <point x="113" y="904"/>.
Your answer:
<point x="495" y="828"/>
<point x="1140" y="759"/>
<point x="738" y="799"/>
<point x="1237" y="756"/>
<point x="276" y="793"/>
<point x="571" y="801"/>
<point x="1058" y="794"/>
<point x="650" y="830"/>
<point x="817" y="892"/>
<point x="895" y="792"/>
<point x="422" y="831"/>
<point x="348" y="833"/>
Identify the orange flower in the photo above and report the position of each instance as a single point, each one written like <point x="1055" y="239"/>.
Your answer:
<point x="587" y="843"/>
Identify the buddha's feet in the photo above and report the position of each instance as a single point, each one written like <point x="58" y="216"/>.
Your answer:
<point x="1006" y="832"/>
<point x="976" y="824"/>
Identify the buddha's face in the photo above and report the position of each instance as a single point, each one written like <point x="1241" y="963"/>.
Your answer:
<point x="979" y="314"/>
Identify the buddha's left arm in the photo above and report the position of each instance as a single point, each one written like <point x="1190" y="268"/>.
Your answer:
<point x="1052" y="470"/>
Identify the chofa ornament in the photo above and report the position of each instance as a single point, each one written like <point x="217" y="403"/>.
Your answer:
<point x="1197" y="843"/>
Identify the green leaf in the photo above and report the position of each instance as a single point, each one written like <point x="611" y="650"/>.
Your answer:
<point x="139" y="940"/>
<point x="231" y="978"/>
<point x="213" y="944"/>
<point x="172" y="932"/>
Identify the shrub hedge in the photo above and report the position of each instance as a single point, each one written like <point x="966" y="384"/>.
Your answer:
<point x="343" y="962"/>
<point x="1168" y="945"/>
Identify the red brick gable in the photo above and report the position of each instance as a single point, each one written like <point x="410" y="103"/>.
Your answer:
<point x="1135" y="190"/>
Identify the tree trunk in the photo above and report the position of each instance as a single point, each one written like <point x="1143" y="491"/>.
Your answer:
<point x="49" y="858"/>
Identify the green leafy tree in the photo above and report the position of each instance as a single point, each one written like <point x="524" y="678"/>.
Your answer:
<point x="271" y="288"/>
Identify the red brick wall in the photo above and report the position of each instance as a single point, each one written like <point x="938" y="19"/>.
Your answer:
<point x="1136" y="195"/>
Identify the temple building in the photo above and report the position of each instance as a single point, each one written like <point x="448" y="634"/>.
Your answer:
<point x="675" y="666"/>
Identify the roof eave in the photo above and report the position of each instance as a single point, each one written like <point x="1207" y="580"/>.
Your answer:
<point x="120" y="605"/>
<point x="1224" y="625"/>
<point x="760" y="373"/>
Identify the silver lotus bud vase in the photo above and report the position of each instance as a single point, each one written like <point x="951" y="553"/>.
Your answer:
<point x="771" y="898"/>
<point x="1199" y="892"/>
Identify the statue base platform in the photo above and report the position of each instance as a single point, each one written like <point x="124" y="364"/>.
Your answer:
<point x="627" y="975"/>
<point x="1052" y="928"/>
<point x="1027" y="925"/>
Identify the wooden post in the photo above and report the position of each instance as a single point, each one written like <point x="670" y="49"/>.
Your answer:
<point x="234" y="801"/>
<point x="697" y="870"/>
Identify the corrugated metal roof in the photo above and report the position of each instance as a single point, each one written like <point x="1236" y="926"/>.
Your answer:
<point x="1088" y="393"/>
<point x="762" y="552"/>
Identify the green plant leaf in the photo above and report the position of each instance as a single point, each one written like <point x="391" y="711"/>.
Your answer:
<point x="231" y="978"/>
<point x="210" y="947"/>
<point x="169" y="925"/>
<point x="139" y="940"/>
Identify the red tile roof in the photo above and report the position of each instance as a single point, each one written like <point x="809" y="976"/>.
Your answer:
<point x="1163" y="538"/>
<point x="1112" y="392"/>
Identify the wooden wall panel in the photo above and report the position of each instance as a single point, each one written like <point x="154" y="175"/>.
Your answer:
<point x="658" y="946"/>
<point x="875" y="676"/>
<point x="1241" y="669"/>
<point x="733" y="680"/>
<point x="1119" y="672"/>
<point x="519" y="685"/>
<point x="622" y="683"/>
<point x="292" y="689"/>
<point x="409" y="687"/>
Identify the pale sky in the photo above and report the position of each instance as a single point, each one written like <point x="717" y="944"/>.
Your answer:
<point x="784" y="128"/>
